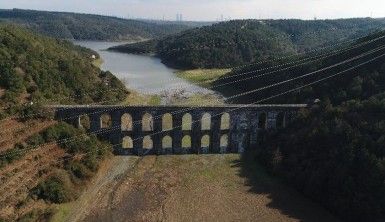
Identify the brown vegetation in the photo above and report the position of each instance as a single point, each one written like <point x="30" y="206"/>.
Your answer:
<point x="189" y="188"/>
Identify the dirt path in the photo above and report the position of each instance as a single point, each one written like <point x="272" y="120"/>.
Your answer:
<point x="189" y="188"/>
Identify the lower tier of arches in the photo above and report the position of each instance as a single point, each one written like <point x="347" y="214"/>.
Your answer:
<point x="147" y="146"/>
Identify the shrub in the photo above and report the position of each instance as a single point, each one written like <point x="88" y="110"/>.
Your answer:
<point x="59" y="132"/>
<point x="55" y="189"/>
<point x="3" y="115"/>
<point x="35" y="140"/>
<point x="79" y="170"/>
<point x="35" y="111"/>
<point x="11" y="155"/>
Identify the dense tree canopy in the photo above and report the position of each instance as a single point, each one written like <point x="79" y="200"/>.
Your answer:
<point x="335" y="155"/>
<point x="333" y="152"/>
<point x="359" y="83"/>
<point x="36" y="68"/>
<point x="88" y="27"/>
<point x="239" y="42"/>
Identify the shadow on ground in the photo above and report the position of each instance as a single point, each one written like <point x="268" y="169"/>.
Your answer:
<point x="283" y="198"/>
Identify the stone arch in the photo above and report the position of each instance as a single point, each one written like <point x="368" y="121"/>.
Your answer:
<point x="167" y="142"/>
<point x="127" y="143"/>
<point x="85" y="122"/>
<point x="225" y="121"/>
<point x="167" y="122"/>
<point x="224" y="143"/>
<point x="206" y="121"/>
<point x="262" y="119"/>
<point x="205" y="141"/>
<point x="148" y="143"/>
<point x="186" y="142"/>
<point x="280" y="122"/>
<point x="126" y="122"/>
<point x="187" y="122"/>
<point x="105" y="121"/>
<point x="147" y="122"/>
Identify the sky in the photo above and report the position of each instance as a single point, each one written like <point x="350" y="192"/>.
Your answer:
<point x="210" y="10"/>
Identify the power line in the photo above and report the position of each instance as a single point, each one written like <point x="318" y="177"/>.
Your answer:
<point x="237" y="95"/>
<point x="271" y="97"/>
<point x="276" y="66"/>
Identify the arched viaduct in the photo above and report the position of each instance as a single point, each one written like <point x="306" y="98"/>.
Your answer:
<point x="137" y="130"/>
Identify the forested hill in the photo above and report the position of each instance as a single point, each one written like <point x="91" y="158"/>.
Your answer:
<point x="292" y="72"/>
<point x="334" y="151"/>
<point x="88" y="27"/>
<point x="37" y="68"/>
<point x="239" y="42"/>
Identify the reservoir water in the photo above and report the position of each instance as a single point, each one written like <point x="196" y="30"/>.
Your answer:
<point x="145" y="74"/>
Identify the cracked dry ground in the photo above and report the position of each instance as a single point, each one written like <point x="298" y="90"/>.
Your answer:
<point x="189" y="188"/>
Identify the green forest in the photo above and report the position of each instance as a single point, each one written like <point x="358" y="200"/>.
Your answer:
<point x="360" y="83"/>
<point x="88" y="27"/>
<point x="49" y="71"/>
<point x="35" y="71"/>
<point x="333" y="152"/>
<point x="239" y="42"/>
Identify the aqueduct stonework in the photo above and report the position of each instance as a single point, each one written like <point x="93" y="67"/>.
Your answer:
<point x="179" y="130"/>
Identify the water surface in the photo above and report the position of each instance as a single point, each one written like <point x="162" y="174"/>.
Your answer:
<point x="145" y="74"/>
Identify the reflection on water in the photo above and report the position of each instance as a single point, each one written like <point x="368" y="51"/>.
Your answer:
<point x="144" y="74"/>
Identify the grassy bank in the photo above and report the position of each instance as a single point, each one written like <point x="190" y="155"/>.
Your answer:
<point x="136" y="98"/>
<point x="98" y="62"/>
<point x="202" y="77"/>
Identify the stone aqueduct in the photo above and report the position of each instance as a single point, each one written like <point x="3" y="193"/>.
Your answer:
<point x="138" y="130"/>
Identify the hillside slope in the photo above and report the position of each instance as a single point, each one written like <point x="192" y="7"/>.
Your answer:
<point x="35" y="169"/>
<point x="239" y="42"/>
<point x="358" y="83"/>
<point x="333" y="152"/>
<point x="88" y="27"/>
<point x="335" y="156"/>
<point x="40" y="69"/>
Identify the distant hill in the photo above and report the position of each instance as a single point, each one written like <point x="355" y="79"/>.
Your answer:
<point x="37" y="68"/>
<point x="239" y="42"/>
<point x="192" y="24"/>
<point x="88" y="27"/>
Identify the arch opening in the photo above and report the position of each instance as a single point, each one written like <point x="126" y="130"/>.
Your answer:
<point x="147" y="143"/>
<point x="225" y="121"/>
<point x="167" y="142"/>
<point x="105" y="121"/>
<point x="186" y="142"/>
<point x="126" y="122"/>
<point x="280" y="123"/>
<point x="85" y="122"/>
<point x="147" y="122"/>
<point x="262" y="119"/>
<point x="187" y="122"/>
<point x="167" y="122"/>
<point x="127" y="143"/>
<point x="224" y="143"/>
<point x="205" y="141"/>
<point x="206" y="121"/>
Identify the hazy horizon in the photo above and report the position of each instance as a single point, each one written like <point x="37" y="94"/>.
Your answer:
<point x="214" y="10"/>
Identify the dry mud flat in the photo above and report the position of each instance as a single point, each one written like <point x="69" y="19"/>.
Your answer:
<point x="190" y="188"/>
